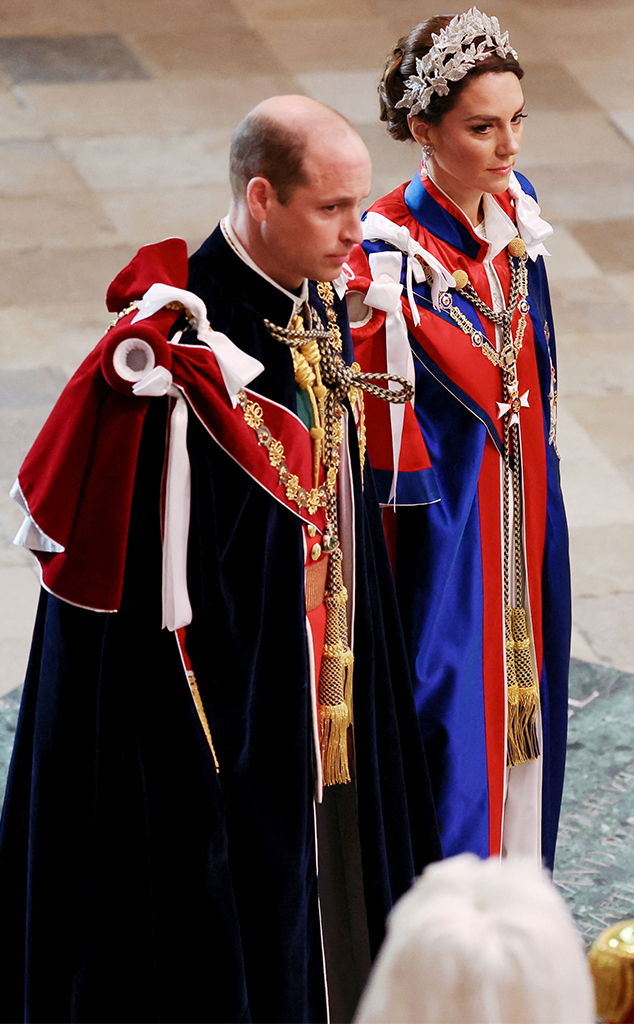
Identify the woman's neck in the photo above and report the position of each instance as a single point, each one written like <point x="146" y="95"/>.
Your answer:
<point x="468" y="201"/>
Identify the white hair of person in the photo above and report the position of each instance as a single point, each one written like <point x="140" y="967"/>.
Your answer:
<point x="480" y="942"/>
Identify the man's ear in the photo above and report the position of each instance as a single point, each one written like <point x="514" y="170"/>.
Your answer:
<point x="420" y="130"/>
<point x="259" y="197"/>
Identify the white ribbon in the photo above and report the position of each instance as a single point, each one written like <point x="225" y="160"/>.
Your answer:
<point x="379" y="227"/>
<point x="177" y="609"/>
<point x="385" y="293"/>
<point x="237" y="367"/>
<point x="532" y="228"/>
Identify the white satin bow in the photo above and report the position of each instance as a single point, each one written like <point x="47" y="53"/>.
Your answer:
<point x="237" y="367"/>
<point x="532" y="228"/>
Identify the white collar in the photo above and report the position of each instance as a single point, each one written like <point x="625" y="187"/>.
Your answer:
<point x="497" y="228"/>
<point x="532" y="228"/>
<point x="299" y="301"/>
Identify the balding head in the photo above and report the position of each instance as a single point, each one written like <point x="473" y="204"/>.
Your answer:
<point x="300" y="173"/>
<point x="271" y="142"/>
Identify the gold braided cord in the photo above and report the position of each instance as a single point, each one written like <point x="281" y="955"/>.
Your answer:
<point x="522" y="682"/>
<point x="325" y="377"/>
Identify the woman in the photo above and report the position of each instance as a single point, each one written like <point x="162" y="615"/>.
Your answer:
<point x="449" y="289"/>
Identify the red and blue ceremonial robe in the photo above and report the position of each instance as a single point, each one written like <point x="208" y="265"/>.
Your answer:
<point x="443" y="509"/>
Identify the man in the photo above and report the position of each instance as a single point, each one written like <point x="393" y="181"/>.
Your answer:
<point x="158" y="856"/>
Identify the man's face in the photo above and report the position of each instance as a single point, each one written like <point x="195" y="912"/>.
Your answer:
<point x="315" y="232"/>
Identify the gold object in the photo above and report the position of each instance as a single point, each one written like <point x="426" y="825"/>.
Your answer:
<point x="522" y="682"/>
<point x="517" y="247"/>
<point x="124" y="312"/>
<point x="328" y="381"/>
<point x="611" y="962"/>
<point x="311" y="530"/>
<point x="461" y="278"/>
<point x="198" y="701"/>
<point x="316" y="574"/>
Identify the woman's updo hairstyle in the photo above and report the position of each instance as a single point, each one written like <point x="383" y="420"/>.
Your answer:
<point x="402" y="63"/>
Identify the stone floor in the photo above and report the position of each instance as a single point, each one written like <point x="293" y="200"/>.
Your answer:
<point x="115" y="120"/>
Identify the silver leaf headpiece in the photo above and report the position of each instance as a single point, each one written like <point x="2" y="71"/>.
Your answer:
<point x="452" y="56"/>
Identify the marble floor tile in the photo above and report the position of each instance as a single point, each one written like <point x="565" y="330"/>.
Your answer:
<point x="609" y="421"/>
<point x="596" y="364"/>
<point x="141" y="216"/>
<point x="18" y="597"/>
<point x="227" y="51"/>
<point x="80" y="275"/>
<point x="581" y="649"/>
<point x="577" y="30"/>
<point x="549" y="86"/>
<point x="19" y="428"/>
<point x="602" y="559"/>
<point x="168" y="107"/>
<point x="589" y="304"/>
<point x="19" y="120"/>
<point x="592" y="192"/>
<point x="255" y="12"/>
<point x="613" y="89"/>
<point x="605" y="623"/>
<point x="568" y="257"/>
<point x="34" y="17"/>
<point x="596" y="493"/>
<point x="129" y="16"/>
<point x="68" y="58"/>
<point x="56" y="222"/>
<point x="22" y="388"/>
<point x="14" y="651"/>
<point x="146" y="161"/>
<point x="609" y="242"/>
<point x="353" y="93"/>
<point x="556" y="137"/>
<point x="34" y="167"/>
<point x="311" y="45"/>
<point x="624" y="121"/>
<point x="623" y="284"/>
<point x="48" y="335"/>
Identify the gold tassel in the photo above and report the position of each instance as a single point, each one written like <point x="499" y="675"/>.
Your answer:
<point x="335" y="680"/>
<point x="333" y="742"/>
<point x="523" y="690"/>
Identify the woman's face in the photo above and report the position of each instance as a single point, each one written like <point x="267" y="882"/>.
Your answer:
<point x="476" y="143"/>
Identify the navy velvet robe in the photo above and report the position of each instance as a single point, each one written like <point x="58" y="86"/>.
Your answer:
<point x="136" y="883"/>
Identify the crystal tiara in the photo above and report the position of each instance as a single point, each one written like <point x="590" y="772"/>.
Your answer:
<point x="452" y="56"/>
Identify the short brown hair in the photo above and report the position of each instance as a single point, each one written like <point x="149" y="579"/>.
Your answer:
<point x="402" y="63"/>
<point x="262" y="147"/>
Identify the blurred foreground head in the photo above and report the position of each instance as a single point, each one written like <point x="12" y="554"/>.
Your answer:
<point x="480" y="942"/>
